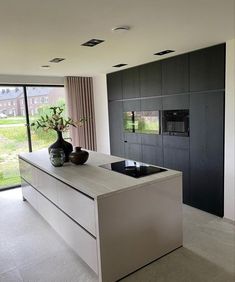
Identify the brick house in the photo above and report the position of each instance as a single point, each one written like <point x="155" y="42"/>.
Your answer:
<point x="12" y="100"/>
<point x="9" y="102"/>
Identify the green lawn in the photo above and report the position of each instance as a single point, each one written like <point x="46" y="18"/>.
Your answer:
<point x="9" y="174"/>
<point x="13" y="141"/>
<point x="13" y="120"/>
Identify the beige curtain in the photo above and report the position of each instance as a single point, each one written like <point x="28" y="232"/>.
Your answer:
<point x="80" y="101"/>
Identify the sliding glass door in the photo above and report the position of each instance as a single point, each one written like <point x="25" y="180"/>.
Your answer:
<point x="19" y="107"/>
<point x="40" y="99"/>
<point x="13" y="134"/>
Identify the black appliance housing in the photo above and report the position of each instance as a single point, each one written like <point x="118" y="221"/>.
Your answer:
<point x="175" y="122"/>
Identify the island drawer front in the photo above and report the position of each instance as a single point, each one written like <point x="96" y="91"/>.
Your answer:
<point x="77" y="238"/>
<point x="47" y="185"/>
<point x="29" y="193"/>
<point x="28" y="172"/>
<point x="77" y="205"/>
<point x="80" y="241"/>
<point x="80" y="207"/>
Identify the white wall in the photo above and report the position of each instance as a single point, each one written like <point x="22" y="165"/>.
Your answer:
<point x="229" y="160"/>
<point x="101" y="113"/>
<point x="24" y="79"/>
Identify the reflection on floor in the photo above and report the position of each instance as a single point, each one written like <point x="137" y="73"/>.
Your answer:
<point x="31" y="251"/>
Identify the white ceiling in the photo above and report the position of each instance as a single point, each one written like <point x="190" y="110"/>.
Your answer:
<point x="32" y="32"/>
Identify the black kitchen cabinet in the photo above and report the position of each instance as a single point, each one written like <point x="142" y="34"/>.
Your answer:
<point x="114" y="84"/>
<point x="175" y="102"/>
<point x="152" y="150"/>
<point x="133" y="151"/>
<point x="132" y="141"/>
<point x="150" y="79"/>
<point x="193" y="81"/>
<point x="207" y="68"/>
<point x="132" y="138"/>
<point x="151" y="104"/>
<point x="131" y="105"/>
<point x="152" y="155"/>
<point x="130" y="83"/>
<point x="175" y="75"/>
<point x="116" y="128"/>
<point x="206" y="151"/>
<point x="176" y="156"/>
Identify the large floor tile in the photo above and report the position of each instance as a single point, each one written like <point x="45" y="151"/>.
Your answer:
<point x="36" y="246"/>
<point x="181" y="265"/>
<point x="6" y="259"/>
<point x="210" y="237"/>
<point x="31" y="251"/>
<point x="60" y="267"/>
<point x="11" y="276"/>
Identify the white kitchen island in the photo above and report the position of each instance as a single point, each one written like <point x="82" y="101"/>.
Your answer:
<point x="115" y="223"/>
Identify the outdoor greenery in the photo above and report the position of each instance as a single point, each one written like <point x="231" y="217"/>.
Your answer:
<point x="55" y="120"/>
<point x="12" y="120"/>
<point x="13" y="140"/>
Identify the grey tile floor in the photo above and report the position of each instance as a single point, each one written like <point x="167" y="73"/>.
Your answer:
<point x="31" y="251"/>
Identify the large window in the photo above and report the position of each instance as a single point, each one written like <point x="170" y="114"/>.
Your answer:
<point x="16" y="135"/>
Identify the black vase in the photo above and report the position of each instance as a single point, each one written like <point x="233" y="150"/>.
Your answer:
<point x="79" y="157"/>
<point x="61" y="143"/>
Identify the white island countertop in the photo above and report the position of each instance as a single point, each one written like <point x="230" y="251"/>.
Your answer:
<point x="91" y="179"/>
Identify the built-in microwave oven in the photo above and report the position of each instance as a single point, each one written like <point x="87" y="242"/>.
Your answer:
<point x="175" y="122"/>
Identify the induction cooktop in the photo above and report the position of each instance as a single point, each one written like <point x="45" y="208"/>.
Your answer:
<point x="133" y="168"/>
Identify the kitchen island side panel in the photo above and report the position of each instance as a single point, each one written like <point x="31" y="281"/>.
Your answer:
<point x="138" y="226"/>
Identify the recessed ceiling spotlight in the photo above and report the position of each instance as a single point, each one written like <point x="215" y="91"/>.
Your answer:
<point x="121" y="29"/>
<point x="57" y="60"/>
<point x="45" y="66"/>
<point x="92" y="42"/>
<point x="119" y="65"/>
<point x="164" y="52"/>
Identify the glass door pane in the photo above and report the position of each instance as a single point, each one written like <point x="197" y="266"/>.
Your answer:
<point x="40" y="99"/>
<point x="13" y="134"/>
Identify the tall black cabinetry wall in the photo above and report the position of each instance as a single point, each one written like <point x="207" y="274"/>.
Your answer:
<point x="206" y="151"/>
<point x="193" y="81"/>
<point x="207" y="83"/>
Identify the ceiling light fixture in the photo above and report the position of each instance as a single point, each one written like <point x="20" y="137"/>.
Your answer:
<point x="121" y="29"/>
<point x="92" y="42"/>
<point x="45" y="66"/>
<point x="164" y="52"/>
<point x="119" y="65"/>
<point x="57" y="60"/>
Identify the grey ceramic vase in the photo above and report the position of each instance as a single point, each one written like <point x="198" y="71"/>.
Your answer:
<point x="79" y="156"/>
<point x="57" y="156"/>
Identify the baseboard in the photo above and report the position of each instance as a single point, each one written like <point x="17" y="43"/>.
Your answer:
<point x="229" y="220"/>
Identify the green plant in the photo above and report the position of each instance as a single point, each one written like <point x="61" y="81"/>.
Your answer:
<point x="56" y="120"/>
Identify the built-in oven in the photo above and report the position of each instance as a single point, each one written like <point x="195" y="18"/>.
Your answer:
<point x="147" y="122"/>
<point x="175" y="122"/>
